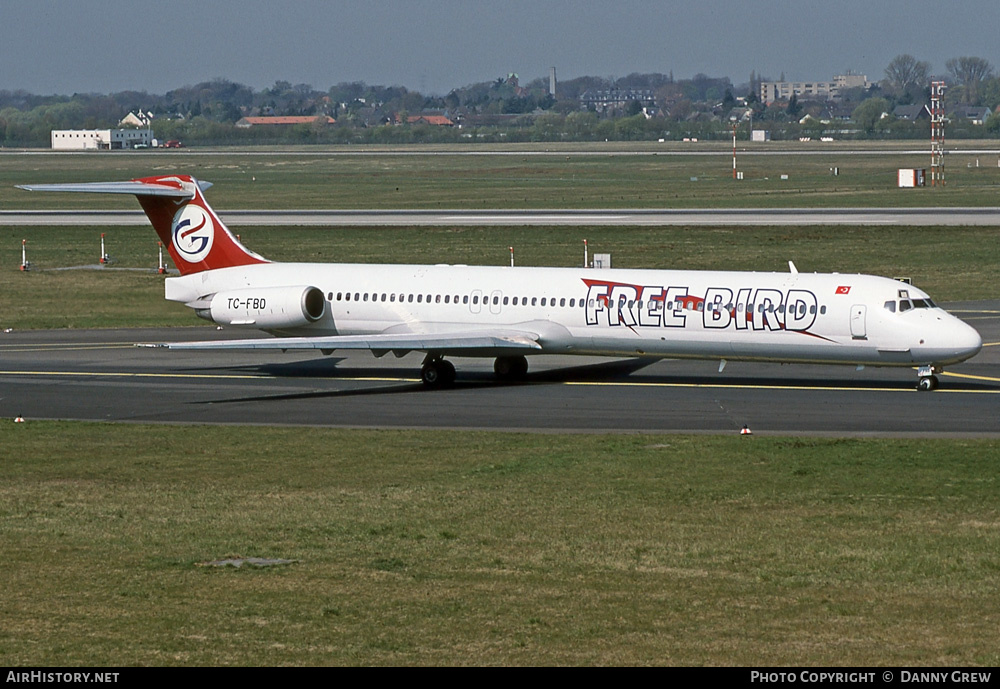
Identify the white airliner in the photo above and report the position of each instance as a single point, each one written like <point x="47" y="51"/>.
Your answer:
<point x="510" y="313"/>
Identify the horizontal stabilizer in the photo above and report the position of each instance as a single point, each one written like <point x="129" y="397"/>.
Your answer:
<point x="134" y="187"/>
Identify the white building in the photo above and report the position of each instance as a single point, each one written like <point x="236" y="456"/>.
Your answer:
<point x="100" y="139"/>
<point x="771" y="91"/>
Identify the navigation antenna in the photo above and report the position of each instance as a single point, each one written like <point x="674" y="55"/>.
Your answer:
<point x="937" y="133"/>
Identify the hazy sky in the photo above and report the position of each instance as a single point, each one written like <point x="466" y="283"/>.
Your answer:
<point x="68" y="46"/>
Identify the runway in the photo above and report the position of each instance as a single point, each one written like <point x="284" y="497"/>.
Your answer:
<point x="100" y="375"/>
<point x="953" y="217"/>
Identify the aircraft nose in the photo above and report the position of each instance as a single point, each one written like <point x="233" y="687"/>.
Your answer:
<point x="969" y="341"/>
<point x="963" y="341"/>
<point x="948" y="340"/>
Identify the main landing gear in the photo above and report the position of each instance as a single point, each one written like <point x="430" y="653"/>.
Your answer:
<point x="508" y="368"/>
<point x="436" y="372"/>
<point x="927" y="380"/>
<point x="439" y="373"/>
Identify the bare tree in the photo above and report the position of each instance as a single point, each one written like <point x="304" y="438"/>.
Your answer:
<point x="905" y="71"/>
<point x="969" y="73"/>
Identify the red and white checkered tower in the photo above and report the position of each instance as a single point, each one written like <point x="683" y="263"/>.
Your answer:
<point x="937" y="133"/>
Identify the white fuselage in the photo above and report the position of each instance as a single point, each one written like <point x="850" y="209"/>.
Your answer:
<point x="787" y="317"/>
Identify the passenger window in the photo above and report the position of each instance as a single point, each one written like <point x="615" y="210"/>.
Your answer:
<point x="506" y="300"/>
<point x="562" y="302"/>
<point x="475" y="299"/>
<point x="437" y="299"/>
<point x="465" y="299"/>
<point x="822" y="310"/>
<point x="339" y="295"/>
<point x="409" y="298"/>
<point x="534" y="301"/>
<point x="543" y="301"/>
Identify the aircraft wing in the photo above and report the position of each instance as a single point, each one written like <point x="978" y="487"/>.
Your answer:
<point x="479" y="341"/>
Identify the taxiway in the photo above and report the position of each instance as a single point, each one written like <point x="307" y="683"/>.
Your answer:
<point x="101" y="375"/>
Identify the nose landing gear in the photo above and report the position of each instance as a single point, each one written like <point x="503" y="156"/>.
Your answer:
<point x="927" y="381"/>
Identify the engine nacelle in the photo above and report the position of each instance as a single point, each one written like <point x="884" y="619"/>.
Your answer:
<point x="267" y="308"/>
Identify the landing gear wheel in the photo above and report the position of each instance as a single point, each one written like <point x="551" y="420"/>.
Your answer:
<point x="437" y="373"/>
<point x="927" y="383"/>
<point x="510" y="367"/>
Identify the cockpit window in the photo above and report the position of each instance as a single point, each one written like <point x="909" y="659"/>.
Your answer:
<point x="891" y="306"/>
<point x="921" y="304"/>
<point x="905" y="305"/>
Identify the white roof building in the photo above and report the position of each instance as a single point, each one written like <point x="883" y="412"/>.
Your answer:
<point x="100" y="139"/>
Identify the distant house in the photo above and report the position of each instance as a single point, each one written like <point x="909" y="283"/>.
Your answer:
<point x="434" y="120"/>
<point x="137" y="119"/>
<point x="975" y="115"/>
<point x="912" y="112"/>
<point x="835" y="113"/>
<point x="272" y="121"/>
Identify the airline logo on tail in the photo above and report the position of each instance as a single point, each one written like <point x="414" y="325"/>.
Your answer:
<point x="193" y="233"/>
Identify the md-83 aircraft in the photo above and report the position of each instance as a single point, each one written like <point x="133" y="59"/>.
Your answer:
<point x="511" y="313"/>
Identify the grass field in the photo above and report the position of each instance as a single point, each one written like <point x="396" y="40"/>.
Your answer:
<point x="480" y="548"/>
<point x="950" y="263"/>
<point x="607" y="176"/>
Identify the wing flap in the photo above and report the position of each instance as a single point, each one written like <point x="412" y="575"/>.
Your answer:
<point x="397" y="343"/>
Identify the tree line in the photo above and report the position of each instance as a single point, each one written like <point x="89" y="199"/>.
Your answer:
<point x="506" y="110"/>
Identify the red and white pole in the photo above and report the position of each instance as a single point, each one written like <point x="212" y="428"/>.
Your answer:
<point x="162" y="268"/>
<point x="511" y="256"/>
<point x="734" y="150"/>
<point x="24" y="255"/>
<point x="586" y="256"/>
<point x="104" y="256"/>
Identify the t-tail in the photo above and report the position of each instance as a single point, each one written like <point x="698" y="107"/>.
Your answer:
<point x="193" y="234"/>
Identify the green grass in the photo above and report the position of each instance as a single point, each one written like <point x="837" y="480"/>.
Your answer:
<point x="491" y="548"/>
<point x="606" y="178"/>
<point x="950" y="263"/>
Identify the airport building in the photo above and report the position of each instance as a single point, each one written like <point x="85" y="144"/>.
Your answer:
<point x="100" y="139"/>
<point x="771" y="91"/>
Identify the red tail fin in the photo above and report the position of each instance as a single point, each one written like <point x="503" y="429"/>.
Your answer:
<point x="194" y="235"/>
